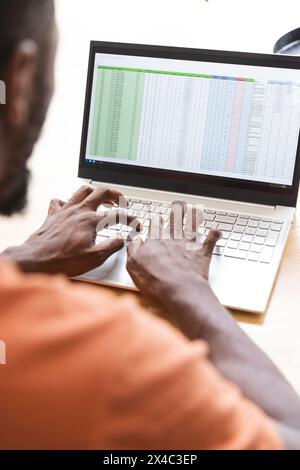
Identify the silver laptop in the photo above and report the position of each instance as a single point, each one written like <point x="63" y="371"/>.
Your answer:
<point x="212" y="128"/>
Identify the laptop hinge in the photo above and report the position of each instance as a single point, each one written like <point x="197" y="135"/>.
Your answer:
<point x="132" y="188"/>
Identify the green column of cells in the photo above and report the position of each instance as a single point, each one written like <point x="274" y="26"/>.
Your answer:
<point x="112" y="115"/>
<point x="97" y="112"/>
<point x="117" y="117"/>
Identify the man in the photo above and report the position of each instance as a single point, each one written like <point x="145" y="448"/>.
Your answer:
<point x="86" y="369"/>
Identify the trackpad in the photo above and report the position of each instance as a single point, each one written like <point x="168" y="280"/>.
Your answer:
<point x="113" y="271"/>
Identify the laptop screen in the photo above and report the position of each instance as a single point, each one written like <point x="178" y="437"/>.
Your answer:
<point x="217" y="119"/>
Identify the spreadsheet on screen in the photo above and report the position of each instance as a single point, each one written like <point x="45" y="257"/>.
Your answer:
<point x="235" y="121"/>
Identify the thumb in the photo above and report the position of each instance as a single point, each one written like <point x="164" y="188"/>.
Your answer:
<point x="134" y="247"/>
<point x="210" y="242"/>
<point x="108" y="248"/>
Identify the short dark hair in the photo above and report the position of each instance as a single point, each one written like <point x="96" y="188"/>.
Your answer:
<point x="23" y="19"/>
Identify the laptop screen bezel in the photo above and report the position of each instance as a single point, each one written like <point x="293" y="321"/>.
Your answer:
<point x="181" y="182"/>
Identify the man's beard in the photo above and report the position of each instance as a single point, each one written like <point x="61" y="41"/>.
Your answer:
<point x="17" y="201"/>
<point x="23" y="147"/>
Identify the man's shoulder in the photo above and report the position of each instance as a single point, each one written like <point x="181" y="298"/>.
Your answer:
<point x="44" y="296"/>
<point x="40" y="301"/>
<point x="69" y="324"/>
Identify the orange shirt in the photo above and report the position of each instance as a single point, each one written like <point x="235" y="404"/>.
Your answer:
<point x="86" y="370"/>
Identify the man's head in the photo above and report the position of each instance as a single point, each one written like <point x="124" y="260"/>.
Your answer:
<point x="27" y="50"/>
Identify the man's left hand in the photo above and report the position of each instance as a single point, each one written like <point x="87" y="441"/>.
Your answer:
<point x="65" y="243"/>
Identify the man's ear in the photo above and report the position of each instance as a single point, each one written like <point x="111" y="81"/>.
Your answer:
<point x="20" y="82"/>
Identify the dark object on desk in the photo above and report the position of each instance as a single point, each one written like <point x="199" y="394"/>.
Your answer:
<point x="289" y="43"/>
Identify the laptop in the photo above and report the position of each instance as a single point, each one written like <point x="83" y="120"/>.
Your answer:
<point x="213" y="128"/>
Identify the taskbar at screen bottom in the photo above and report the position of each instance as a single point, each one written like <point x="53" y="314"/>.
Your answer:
<point x="275" y="182"/>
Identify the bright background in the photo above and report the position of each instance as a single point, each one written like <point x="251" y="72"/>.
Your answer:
<point x="244" y="25"/>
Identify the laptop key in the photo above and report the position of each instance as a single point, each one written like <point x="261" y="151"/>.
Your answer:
<point x="253" y="256"/>
<point x="233" y="244"/>
<point x="261" y="233"/>
<point x="226" y="235"/>
<point x="209" y="217"/>
<point x="264" y="225"/>
<point x="236" y="236"/>
<point x="272" y="238"/>
<point x="241" y="221"/>
<point x="244" y="246"/>
<point x="259" y="240"/>
<point x="256" y="248"/>
<point x="235" y="253"/>
<point x="253" y="223"/>
<point x="163" y="209"/>
<point x="225" y="219"/>
<point x="250" y="231"/>
<point x="233" y="214"/>
<point x="141" y="214"/>
<point x="137" y="207"/>
<point x="239" y="229"/>
<point x="108" y="233"/>
<point x="224" y="227"/>
<point x="126" y="229"/>
<point x="276" y="227"/>
<point x="266" y="255"/>
<point x="247" y="238"/>
<point x="209" y="211"/>
<point x="211" y="225"/>
<point x="221" y="243"/>
<point x="218" y="251"/>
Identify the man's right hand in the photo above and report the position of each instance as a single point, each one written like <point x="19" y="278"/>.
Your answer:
<point x="175" y="272"/>
<point x="166" y="263"/>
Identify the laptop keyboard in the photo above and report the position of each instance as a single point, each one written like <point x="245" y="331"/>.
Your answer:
<point x="245" y="237"/>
